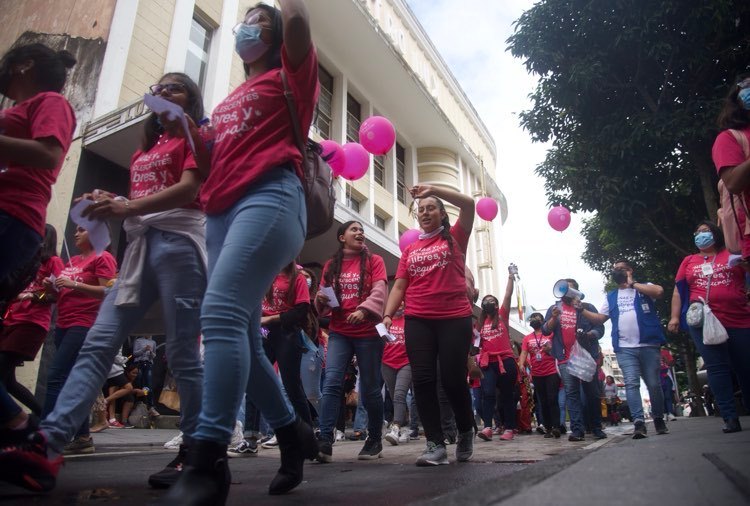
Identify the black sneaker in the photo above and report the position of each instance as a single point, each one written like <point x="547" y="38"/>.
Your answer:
<point x="325" y="452"/>
<point x="80" y="446"/>
<point x="540" y="430"/>
<point x="246" y="448"/>
<point x="563" y="429"/>
<point x="372" y="450"/>
<point x="26" y="464"/>
<point x="599" y="434"/>
<point x="576" y="437"/>
<point x="732" y="425"/>
<point x="169" y="475"/>
<point x="556" y="432"/>
<point x="639" y="432"/>
<point x="660" y="426"/>
<point x="414" y="435"/>
<point x="357" y="435"/>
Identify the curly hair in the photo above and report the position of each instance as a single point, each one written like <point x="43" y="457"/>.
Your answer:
<point x="333" y="273"/>
<point x="733" y="113"/>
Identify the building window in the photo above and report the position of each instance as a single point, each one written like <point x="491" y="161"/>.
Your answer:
<point x="352" y="203"/>
<point x="199" y="46"/>
<point x="378" y="169"/>
<point x="380" y="222"/>
<point x="324" y="110"/>
<point x="401" y="173"/>
<point x="353" y="118"/>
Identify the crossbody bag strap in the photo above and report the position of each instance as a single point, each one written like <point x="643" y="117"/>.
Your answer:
<point x="708" y="285"/>
<point x="741" y="139"/>
<point x="293" y="114"/>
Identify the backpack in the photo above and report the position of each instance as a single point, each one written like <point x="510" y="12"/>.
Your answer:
<point x="320" y="195"/>
<point x="733" y="213"/>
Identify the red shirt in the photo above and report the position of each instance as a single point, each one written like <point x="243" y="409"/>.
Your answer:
<point x="253" y="131"/>
<point x="394" y="353"/>
<point x="533" y="345"/>
<point x="349" y="280"/>
<point x="25" y="191"/>
<point x="727" y="152"/>
<point x="496" y="342"/>
<point x="28" y="311"/>
<point x="436" y="276"/>
<point x="75" y="308"/>
<point x="279" y="290"/>
<point x="568" y="321"/>
<point x="727" y="295"/>
<point x="161" y="167"/>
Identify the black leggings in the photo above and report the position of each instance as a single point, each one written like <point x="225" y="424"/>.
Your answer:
<point x="284" y="346"/>
<point x="447" y="342"/>
<point x="547" y="389"/>
<point x="8" y="363"/>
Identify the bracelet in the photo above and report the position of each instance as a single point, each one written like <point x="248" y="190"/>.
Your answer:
<point x="75" y="286"/>
<point x="387" y="316"/>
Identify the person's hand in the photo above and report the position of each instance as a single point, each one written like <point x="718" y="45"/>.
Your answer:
<point x="577" y="303"/>
<point x="265" y="320"/>
<point x="555" y="312"/>
<point x="356" y="317"/>
<point x="322" y="298"/>
<point x="387" y="322"/>
<point x="96" y="195"/>
<point x="420" y="191"/>
<point x="108" y="207"/>
<point x="547" y="346"/>
<point x="630" y="278"/>
<point x="674" y="325"/>
<point x="62" y="282"/>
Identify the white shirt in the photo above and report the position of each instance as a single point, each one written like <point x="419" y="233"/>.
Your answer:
<point x="627" y="323"/>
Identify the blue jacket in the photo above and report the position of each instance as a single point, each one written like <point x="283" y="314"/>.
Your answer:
<point x="589" y="344"/>
<point x="649" y="325"/>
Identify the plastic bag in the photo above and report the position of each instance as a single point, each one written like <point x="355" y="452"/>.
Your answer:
<point x="139" y="416"/>
<point x="581" y="364"/>
<point x="713" y="331"/>
<point x="694" y="315"/>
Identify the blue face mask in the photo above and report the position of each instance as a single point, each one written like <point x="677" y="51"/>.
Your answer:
<point x="248" y="44"/>
<point x="704" y="240"/>
<point x="744" y="96"/>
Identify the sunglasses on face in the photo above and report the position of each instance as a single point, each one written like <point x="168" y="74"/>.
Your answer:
<point x="156" y="89"/>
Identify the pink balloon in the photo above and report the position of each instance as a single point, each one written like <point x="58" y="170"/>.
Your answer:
<point x="559" y="218"/>
<point x="487" y="208"/>
<point x="357" y="161"/>
<point x="377" y="135"/>
<point x="407" y="238"/>
<point x="334" y="155"/>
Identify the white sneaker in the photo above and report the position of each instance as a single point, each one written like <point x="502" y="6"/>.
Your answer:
<point x="174" y="443"/>
<point x="403" y="437"/>
<point x="672" y="418"/>
<point x="271" y="443"/>
<point x="238" y="435"/>
<point x="393" y="435"/>
<point x="340" y="436"/>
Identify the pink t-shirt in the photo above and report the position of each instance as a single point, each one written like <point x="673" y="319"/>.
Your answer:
<point x="349" y="280"/>
<point x="161" y="167"/>
<point x="394" y="353"/>
<point x="542" y="363"/>
<point x="75" y="308"/>
<point x="727" y="152"/>
<point x="727" y="295"/>
<point x="27" y="311"/>
<point x="26" y="191"/>
<point x="254" y="132"/>
<point x="436" y="276"/>
<point x="496" y="342"/>
<point x="279" y="291"/>
<point x="568" y="321"/>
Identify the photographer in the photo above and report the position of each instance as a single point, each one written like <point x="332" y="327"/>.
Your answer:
<point x="568" y="325"/>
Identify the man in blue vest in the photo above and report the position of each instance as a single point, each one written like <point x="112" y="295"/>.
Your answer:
<point x="637" y="336"/>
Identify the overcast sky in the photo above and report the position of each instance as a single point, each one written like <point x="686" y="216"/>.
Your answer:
<point x="470" y="36"/>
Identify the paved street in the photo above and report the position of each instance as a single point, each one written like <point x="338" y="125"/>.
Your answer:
<point x="695" y="464"/>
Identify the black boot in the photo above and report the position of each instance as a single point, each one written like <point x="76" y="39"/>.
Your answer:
<point x="296" y="443"/>
<point x="205" y="478"/>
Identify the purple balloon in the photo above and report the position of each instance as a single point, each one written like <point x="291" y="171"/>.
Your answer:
<point x="334" y="155"/>
<point x="487" y="208"/>
<point x="559" y="218"/>
<point x="377" y="135"/>
<point x="407" y="238"/>
<point x="357" y="161"/>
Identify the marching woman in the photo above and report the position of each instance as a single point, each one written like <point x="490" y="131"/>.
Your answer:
<point x="358" y="280"/>
<point x="397" y="376"/>
<point x="27" y="322"/>
<point x="256" y="225"/>
<point x="498" y="364"/>
<point x="438" y="327"/>
<point x="536" y="349"/>
<point x="35" y="134"/>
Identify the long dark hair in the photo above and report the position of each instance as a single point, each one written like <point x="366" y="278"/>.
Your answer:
<point x="733" y="113"/>
<point x="484" y="314"/>
<point x="334" y="268"/>
<point x="719" y="243"/>
<point x="291" y="272"/>
<point x="50" y="67"/>
<point x="445" y="222"/>
<point x="273" y="55"/>
<point x="49" y="243"/>
<point x="152" y="129"/>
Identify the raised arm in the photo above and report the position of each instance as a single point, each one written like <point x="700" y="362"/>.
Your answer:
<point x="296" y="21"/>
<point x="464" y="203"/>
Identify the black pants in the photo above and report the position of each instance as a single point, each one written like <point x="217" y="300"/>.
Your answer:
<point x="284" y="347"/>
<point x="447" y="342"/>
<point x="547" y="388"/>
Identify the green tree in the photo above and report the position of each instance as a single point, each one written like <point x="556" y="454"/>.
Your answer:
<point x="628" y="94"/>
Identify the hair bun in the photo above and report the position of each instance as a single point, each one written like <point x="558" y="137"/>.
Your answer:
<point x="66" y="58"/>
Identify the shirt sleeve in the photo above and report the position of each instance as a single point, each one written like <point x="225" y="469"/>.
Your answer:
<point x="378" y="269"/>
<point x="301" y="292"/>
<point x="461" y="236"/>
<point x="525" y="344"/>
<point x="402" y="270"/>
<point x="726" y="151"/>
<point x="53" y="117"/>
<point x="605" y="307"/>
<point x="106" y="267"/>
<point x="682" y="270"/>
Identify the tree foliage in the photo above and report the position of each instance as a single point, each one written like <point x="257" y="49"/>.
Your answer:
<point x="628" y="94"/>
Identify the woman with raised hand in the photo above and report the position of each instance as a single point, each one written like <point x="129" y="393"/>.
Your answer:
<point x="358" y="280"/>
<point x="438" y="327"/>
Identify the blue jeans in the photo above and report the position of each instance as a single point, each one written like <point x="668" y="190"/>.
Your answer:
<point x="144" y="368"/>
<point x="666" y="390"/>
<point x="248" y="245"/>
<point x="563" y="407"/>
<point x="642" y="362"/>
<point x="173" y="273"/>
<point x="311" y="369"/>
<point x="573" y="401"/>
<point x="721" y="361"/>
<point x="369" y="351"/>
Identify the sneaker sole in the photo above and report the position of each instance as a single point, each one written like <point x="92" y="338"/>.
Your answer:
<point x="639" y="436"/>
<point x="432" y="463"/>
<point x="483" y="437"/>
<point x="242" y="454"/>
<point x="370" y="457"/>
<point x="324" y="458"/>
<point x="393" y="440"/>
<point x="81" y="451"/>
